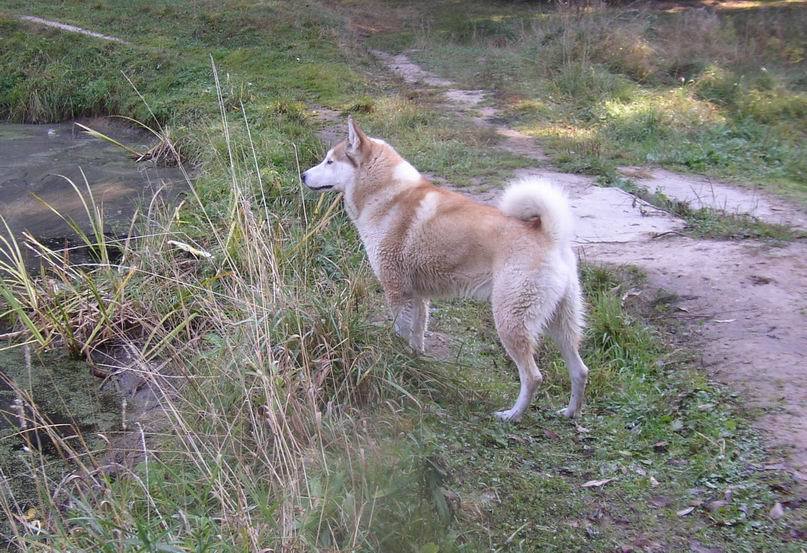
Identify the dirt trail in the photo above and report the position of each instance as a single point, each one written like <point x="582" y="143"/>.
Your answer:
<point x="746" y="299"/>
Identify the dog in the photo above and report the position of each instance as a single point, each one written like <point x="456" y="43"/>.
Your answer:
<point x="424" y="242"/>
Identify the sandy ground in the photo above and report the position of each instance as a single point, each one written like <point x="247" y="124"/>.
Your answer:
<point x="744" y="300"/>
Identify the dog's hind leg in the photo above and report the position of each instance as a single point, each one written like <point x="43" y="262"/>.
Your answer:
<point x="565" y="329"/>
<point x="512" y="314"/>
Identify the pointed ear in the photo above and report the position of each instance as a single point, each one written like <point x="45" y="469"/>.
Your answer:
<point x="356" y="139"/>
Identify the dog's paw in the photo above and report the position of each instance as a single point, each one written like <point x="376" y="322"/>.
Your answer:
<point x="402" y="330"/>
<point x="568" y="413"/>
<point x="508" y="415"/>
<point x="417" y="346"/>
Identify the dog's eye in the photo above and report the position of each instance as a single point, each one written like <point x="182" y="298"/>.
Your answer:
<point x="329" y="161"/>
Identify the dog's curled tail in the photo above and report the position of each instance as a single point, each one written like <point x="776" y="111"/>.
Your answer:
<point x="535" y="199"/>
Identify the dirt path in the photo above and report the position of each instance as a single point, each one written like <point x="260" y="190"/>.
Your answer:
<point x="744" y="301"/>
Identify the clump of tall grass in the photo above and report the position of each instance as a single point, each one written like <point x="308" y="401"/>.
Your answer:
<point x="244" y="310"/>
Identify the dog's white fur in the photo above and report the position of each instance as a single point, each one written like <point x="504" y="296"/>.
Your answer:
<point x="425" y="242"/>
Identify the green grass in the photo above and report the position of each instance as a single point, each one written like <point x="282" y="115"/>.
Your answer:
<point x="717" y="92"/>
<point x="277" y="61"/>
<point x="293" y="418"/>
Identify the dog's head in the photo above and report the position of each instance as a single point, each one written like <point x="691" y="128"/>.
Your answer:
<point x="341" y="164"/>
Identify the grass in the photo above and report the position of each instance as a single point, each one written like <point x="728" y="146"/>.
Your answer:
<point x="664" y="437"/>
<point x="710" y="91"/>
<point x="287" y="61"/>
<point x="290" y="419"/>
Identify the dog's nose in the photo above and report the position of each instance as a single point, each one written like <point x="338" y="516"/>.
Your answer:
<point x="303" y="178"/>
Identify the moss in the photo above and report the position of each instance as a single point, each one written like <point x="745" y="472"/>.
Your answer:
<point x="64" y="394"/>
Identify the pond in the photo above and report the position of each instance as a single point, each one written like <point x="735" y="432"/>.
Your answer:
<point x="36" y="162"/>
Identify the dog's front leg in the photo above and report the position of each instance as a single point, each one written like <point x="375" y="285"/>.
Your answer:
<point x="401" y="306"/>
<point x="419" y="322"/>
<point x="409" y="315"/>
<point x="410" y="320"/>
<point x="402" y="318"/>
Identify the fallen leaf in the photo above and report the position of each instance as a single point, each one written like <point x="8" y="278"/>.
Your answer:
<point x="685" y="512"/>
<point x="713" y="506"/>
<point x="597" y="483"/>
<point x="777" y="511"/>
<point x="582" y="429"/>
<point x="550" y="434"/>
<point x="799" y="535"/>
<point x="660" y="501"/>
<point x="660" y="446"/>
<point x="630" y="293"/>
<point x="697" y="547"/>
<point x="725" y="320"/>
<point x="190" y="249"/>
<point x="653" y="482"/>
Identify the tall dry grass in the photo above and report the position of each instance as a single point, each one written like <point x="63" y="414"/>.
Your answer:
<point x="244" y="317"/>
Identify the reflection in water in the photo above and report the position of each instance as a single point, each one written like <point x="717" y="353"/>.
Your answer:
<point x="37" y="160"/>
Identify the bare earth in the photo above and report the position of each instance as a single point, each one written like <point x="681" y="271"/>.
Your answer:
<point x="746" y="299"/>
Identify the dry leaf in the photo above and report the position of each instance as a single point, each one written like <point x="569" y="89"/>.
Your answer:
<point x="551" y="435"/>
<point x="697" y="547"/>
<point x="653" y="482"/>
<point x="597" y="483"/>
<point x="190" y="249"/>
<point x="685" y="512"/>
<point x="777" y="511"/>
<point x="725" y="320"/>
<point x="713" y="506"/>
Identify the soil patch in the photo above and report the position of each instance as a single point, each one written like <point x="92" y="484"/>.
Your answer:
<point x="704" y="192"/>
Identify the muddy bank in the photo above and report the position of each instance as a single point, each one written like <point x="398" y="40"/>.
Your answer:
<point x="54" y="419"/>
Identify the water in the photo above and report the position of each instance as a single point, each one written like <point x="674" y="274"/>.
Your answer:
<point x="35" y="159"/>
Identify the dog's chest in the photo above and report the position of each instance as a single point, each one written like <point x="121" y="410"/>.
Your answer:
<point x="375" y="234"/>
<point x="372" y="240"/>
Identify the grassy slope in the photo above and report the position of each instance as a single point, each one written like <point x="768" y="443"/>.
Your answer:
<point x="715" y="92"/>
<point x="427" y="469"/>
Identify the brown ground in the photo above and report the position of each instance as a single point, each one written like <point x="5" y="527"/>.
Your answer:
<point x="745" y="299"/>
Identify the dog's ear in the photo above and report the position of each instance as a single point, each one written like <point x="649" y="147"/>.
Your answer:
<point x="356" y="139"/>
